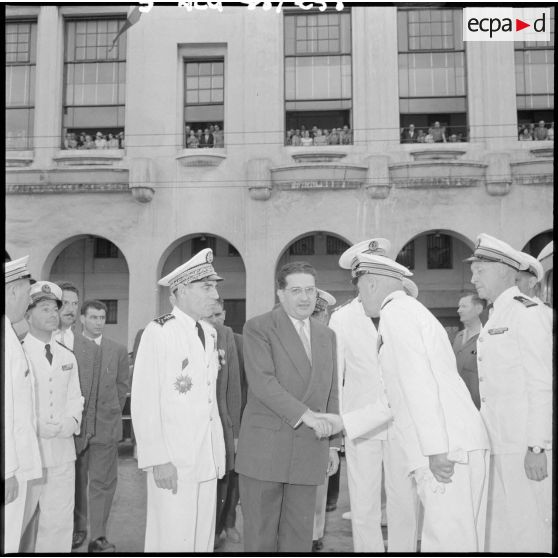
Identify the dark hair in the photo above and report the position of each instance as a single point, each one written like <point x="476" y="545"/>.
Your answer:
<point x="96" y="304"/>
<point x="290" y="269"/>
<point x="67" y="286"/>
<point x="475" y="299"/>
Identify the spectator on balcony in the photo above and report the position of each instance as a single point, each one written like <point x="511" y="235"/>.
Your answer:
<point x="333" y="138"/>
<point x="218" y="137"/>
<point x="306" y="140"/>
<point x="532" y="130"/>
<point x="525" y="135"/>
<point x="453" y="138"/>
<point x="199" y="135"/>
<point x="540" y="133"/>
<point x="421" y="136"/>
<point x="100" y="141"/>
<point x="410" y="135"/>
<point x="81" y="141"/>
<point x="550" y="135"/>
<point x="112" y="142"/>
<point x="187" y="131"/>
<point x="192" y="142"/>
<point x="89" y="142"/>
<point x="319" y="138"/>
<point x="211" y="129"/>
<point x="314" y="132"/>
<point x="295" y="140"/>
<point x="438" y="133"/>
<point x="121" y="140"/>
<point x="346" y="135"/>
<point x="289" y="138"/>
<point x="206" y="139"/>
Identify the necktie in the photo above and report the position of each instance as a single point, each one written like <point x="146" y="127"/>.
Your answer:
<point x="48" y="354"/>
<point x="200" y="333"/>
<point x="304" y="339"/>
<point x="376" y="322"/>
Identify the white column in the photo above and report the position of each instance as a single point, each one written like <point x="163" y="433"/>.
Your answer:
<point x="48" y="85"/>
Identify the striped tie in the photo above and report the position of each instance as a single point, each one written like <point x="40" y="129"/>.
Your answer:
<point x="305" y="340"/>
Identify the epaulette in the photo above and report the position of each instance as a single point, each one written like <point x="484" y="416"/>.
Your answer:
<point x="527" y="302"/>
<point x="62" y="345"/>
<point x="162" y="320"/>
<point x="342" y="305"/>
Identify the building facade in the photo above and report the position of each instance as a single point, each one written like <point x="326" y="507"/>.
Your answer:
<point x="105" y="188"/>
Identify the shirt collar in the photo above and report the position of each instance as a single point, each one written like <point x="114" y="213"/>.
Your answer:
<point x="31" y="339"/>
<point x="183" y="317"/>
<point x="296" y="321"/>
<point x="391" y="296"/>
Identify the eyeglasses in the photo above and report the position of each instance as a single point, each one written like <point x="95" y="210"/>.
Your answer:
<point x="297" y="291"/>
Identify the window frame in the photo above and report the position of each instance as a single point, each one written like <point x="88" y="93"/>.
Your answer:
<point x="112" y="310"/>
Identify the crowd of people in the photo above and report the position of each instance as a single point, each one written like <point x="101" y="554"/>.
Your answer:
<point x="318" y="136"/>
<point x="463" y="431"/>
<point x="434" y="134"/>
<point x="210" y="136"/>
<point x="83" y="140"/>
<point x="536" y="132"/>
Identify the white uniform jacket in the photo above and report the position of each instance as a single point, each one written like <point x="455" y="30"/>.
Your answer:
<point x="174" y="403"/>
<point x="432" y="408"/>
<point x="514" y="354"/>
<point x="22" y="454"/>
<point x="59" y="397"/>
<point x="362" y="400"/>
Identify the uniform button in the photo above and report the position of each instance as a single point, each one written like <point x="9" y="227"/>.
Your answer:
<point x="481" y="379"/>
<point x="51" y="416"/>
<point x="209" y="401"/>
<point x="51" y="403"/>
<point x="479" y="359"/>
<point x="208" y="383"/>
<point x="50" y="379"/>
<point x="481" y="339"/>
<point x="51" y="391"/>
<point x="483" y="399"/>
<point x="210" y="419"/>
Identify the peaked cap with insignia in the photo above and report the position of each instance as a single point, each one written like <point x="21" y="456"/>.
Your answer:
<point x="16" y="269"/>
<point x="378" y="265"/>
<point x="324" y="299"/>
<point x="492" y="250"/>
<point x="197" y="268"/>
<point x="378" y="246"/>
<point x="45" y="290"/>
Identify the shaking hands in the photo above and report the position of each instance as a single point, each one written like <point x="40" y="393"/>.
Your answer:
<point x="323" y="424"/>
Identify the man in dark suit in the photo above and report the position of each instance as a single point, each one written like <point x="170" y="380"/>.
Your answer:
<point x="206" y="139"/>
<point x="100" y="459"/>
<point x="88" y="357"/>
<point x="409" y="135"/>
<point x="283" y="451"/>
<point x="465" y="343"/>
<point x="228" y="401"/>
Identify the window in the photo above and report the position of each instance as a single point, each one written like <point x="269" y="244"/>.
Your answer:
<point x="204" y="97"/>
<point x="406" y="256"/>
<point x="21" y="58"/>
<point x="233" y="252"/>
<point x="438" y="251"/>
<point x="432" y="78"/>
<point x="335" y="246"/>
<point x="534" y="79"/>
<point x="201" y="242"/>
<point x="302" y="247"/>
<point x="105" y="248"/>
<point x="318" y="75"/>
<point x="112" y="311"/>
<point x="94" y="85"/>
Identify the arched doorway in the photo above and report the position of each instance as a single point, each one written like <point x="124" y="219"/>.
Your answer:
<point x="322" y="249"/>
<point x="436" y="259"/>
<point x="99" y="270"/>
<point x="537" y="243"/>
<point x="227" y="262"/>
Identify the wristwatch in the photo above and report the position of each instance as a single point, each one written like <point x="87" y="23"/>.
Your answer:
<point x="536" y="449"/>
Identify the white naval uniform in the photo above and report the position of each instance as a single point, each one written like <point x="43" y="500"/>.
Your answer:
<point x="180" y="425"/>
<point x="434" y="414"/>
<point x="367" y="449"/>
<point x="21" y="446"/>
<point x="59" y="399"/>
<point x="514" y="354"/>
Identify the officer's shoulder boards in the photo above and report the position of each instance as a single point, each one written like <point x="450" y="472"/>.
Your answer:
<point x="67" y="348"/>
<point x="527" y="302"/>
<point x="162" y="320"/>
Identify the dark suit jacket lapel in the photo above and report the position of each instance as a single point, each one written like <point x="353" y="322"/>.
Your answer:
<point x="291" y="342"/>
<point x="106" y="352"/>
<point x="318" y="342"/>
<point x="86" y="357"/>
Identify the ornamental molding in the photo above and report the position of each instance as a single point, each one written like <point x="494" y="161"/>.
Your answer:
<point x="111" y="188"/>
<point x="437" y="154"/>
<point x="322" y="184"/>
<point x="437" y="182"/>
<point x="88" y="157"/>
<point x="317" y="156"/>
<point x="534" y="180"/>
<point x="200" y="158"/>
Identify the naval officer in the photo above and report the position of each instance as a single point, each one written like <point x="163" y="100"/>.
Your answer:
<point x="435" y="421"/>
<point x="514" y="355"/>
<point x="369" y="450"/>
<point x="175" y="416"/>
<point x="21" y="446"/>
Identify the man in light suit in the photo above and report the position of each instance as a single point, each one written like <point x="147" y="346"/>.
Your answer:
<point x="370" y="451"/>
<point x="515" y="364"/>
<point x="100" y="458"/>
<point x="290" y="364"/>
<point x="442" y="434"/>
<point x="88" y="356"/>
<point x="175" y="415"/>
<point x="21" y="446"/>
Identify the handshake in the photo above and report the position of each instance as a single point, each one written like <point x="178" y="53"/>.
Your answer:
<point x="323" y="424"/>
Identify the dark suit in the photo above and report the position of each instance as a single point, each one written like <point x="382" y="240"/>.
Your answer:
<point x="206" y="141"/>
<point x="228" y="401"/>
<point x="98" y="463"/>
<point x="408" y="136"/>
<point x="280" y="466"/>
<point x="466" y="357"/>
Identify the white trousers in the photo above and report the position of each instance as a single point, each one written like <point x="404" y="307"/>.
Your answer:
<point x="320" y="511"/>
<point x="54" y="493"/>
<point x="13" y="519"/>
<point x="519" y="510"/>
<point x="365" y="459"/>
<point x="455" y="519"/>
<point x="181" y="522"/>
